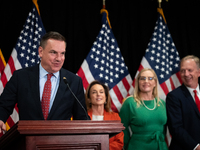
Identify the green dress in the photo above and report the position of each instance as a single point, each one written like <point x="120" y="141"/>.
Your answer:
<point x="144" y="128"/>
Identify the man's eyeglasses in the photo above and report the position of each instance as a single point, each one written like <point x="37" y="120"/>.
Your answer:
<point x="144" y="78"/>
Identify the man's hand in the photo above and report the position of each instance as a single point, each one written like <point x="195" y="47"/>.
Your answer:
<point x="2" y="126"/>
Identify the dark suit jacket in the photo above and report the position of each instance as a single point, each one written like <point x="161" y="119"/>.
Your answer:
<point x="183" y="119"/>
<point x="23" y="88"/>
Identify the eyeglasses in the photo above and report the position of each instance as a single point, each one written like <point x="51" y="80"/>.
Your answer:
<point x="144" y="78"/>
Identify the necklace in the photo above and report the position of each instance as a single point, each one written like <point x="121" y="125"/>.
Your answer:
<point x="148" y="107"/>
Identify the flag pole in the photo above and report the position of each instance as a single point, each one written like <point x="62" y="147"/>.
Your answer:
<point x="104" y="4"/>
<point x="104" y="10"/>
<point x="159" y="3"/>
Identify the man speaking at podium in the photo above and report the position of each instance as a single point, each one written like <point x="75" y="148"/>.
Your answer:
<point x="45" y="91"/>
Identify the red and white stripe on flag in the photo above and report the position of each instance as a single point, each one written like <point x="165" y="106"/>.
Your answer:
<point x="106" y="64"/>
<point x="12" y="65"/>
<point x="25" y="53"/>
<point x="120" y="91"/>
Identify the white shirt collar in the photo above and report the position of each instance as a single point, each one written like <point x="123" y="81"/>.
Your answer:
<point x="191" y="90"/>
<point x="97" y="118"/>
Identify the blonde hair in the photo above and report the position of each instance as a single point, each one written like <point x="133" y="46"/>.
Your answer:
<point x="195" y="58"/>
<point x="137" y="90"/>
<point x="107" y="105"/>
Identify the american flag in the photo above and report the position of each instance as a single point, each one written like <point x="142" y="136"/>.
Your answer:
<point x="106" y="64"/>
<point x="2" y="66"/>
<point x="162" y="56"/>
<point x="2" y="63"/>
<point x="25" y="53"/>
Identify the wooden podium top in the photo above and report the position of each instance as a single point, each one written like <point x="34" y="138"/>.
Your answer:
<point x="69" y="127"/>
<point x="41" y="134"/>
<point x="62" y="127"/>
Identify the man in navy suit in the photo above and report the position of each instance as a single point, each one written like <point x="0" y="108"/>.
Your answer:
<point x="182" y="110"/>
<point x="26" y="87"/>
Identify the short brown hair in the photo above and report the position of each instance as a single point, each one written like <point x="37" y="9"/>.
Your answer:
<point x="51" y="35"/>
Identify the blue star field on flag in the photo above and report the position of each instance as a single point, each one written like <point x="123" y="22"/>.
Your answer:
<point x="29" y="40"/>
<point x="161" y="52"/>
<point x="105" y="60"/>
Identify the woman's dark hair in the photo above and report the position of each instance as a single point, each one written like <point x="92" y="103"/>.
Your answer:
<point x="107" y="105"/>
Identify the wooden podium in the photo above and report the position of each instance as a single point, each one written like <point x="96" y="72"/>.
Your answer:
<point x="60" y="135"/>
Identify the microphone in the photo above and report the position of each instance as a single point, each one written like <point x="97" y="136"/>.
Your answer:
<point x="66" y="82"/>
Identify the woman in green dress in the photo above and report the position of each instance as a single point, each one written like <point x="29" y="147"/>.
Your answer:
<point x="144" y="115"/>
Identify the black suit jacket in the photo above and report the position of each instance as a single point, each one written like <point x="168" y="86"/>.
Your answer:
<point x="23" y="89"/>
<point x="183" y="119"/>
